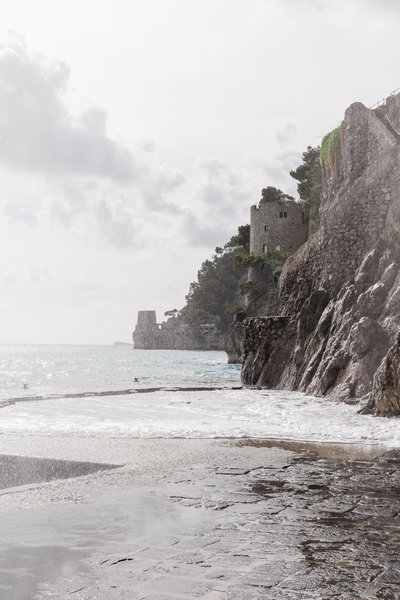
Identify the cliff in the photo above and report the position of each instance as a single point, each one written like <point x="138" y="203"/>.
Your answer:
<point x="336" y="332"/>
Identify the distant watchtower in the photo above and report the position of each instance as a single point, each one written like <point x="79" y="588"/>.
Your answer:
<point x="147" y="332"/>
<point x="278" y="225"/>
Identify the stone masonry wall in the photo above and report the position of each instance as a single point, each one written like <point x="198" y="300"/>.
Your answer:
<point x="285" y="233"/>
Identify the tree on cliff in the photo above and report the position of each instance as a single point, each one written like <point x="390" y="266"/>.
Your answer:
<point x="273" y="194"/>
<point x="213" y="293"/>
<point x="241" y="239"/>
<point x="309" y="176"/>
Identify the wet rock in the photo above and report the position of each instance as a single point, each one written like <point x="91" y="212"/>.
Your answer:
<point x="259" y="345"/>
<point x="385" y="395"/>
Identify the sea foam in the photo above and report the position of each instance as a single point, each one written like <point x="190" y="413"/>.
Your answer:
<point x="201" y="414"/>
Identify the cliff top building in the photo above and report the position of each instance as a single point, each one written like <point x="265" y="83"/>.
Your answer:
<point x="280" y="225"/>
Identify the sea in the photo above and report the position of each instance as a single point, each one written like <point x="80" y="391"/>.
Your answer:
<point x="118" y="391"/>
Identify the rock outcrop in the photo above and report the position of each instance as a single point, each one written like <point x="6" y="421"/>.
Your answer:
<point x="339" y="318"/>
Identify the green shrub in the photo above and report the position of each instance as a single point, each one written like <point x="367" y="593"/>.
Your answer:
<point x="330" y="149"/>
<point x="247" y="287"/>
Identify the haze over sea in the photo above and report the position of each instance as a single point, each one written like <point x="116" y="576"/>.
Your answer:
<point x="91" y="391"/>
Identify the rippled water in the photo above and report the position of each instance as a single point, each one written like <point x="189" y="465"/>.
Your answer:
<point x="61" y="369"/>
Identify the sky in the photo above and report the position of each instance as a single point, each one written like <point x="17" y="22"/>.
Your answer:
<point x="136" y="134"/>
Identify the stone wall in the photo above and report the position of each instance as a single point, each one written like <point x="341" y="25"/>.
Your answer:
<point x="279" y="225"/>
<point x="174" y="334"/>
<point x="340" y="292"/>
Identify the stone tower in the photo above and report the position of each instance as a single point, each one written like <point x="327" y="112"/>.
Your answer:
<point x="147" y="332"/>
<point x="280" y="225"/>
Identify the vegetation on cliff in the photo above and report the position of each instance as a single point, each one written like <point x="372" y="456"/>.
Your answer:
<point x="309" y="188"/>
<point x="273" y="258"/>
<point x="219" y="292"/>
<point x="273" y="194"/>
<point x="330" y="151"/>
<point x="214" y="292"/>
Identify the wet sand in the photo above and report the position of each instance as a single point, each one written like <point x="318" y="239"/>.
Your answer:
<point x="211" y="519"/>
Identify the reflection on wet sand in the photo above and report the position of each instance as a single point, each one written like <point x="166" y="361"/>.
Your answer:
<point x="215" y="520"/>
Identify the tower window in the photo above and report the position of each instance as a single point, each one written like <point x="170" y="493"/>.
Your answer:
<point x="283" y="214"/>
<point x="266" y="227"/>
<point x="278" y="247"/>
<point x="265" y="248"/>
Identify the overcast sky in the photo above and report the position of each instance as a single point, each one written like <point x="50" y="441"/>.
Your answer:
<point x="135" y="135"/>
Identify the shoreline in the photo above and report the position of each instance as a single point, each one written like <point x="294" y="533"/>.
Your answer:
<point x="114" y="449"/>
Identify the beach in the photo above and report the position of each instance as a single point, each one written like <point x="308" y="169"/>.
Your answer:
<point x="211" y="519"/>
<point x="184" y="486"/>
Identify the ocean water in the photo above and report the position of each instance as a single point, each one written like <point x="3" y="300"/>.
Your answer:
<point x="61" y="369"/>
<point x="90" y="391"/>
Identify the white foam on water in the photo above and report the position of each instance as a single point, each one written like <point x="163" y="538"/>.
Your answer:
<point x="201" y="414"/>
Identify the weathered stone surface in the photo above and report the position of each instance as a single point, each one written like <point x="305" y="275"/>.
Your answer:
<point x="279" y="225"/>
<point x="261" y="333"/>
<point x="386" y="388"/>
<point x="340" y="292"/>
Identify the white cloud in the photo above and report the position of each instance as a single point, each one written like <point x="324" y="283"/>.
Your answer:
<point x="285" y="132"/>
<point x="37" y="131"/>
<point x="117" y="223"/>
<point x="203" y="236"/>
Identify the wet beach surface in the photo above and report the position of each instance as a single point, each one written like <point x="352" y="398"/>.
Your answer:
<point x="205" y="519"/>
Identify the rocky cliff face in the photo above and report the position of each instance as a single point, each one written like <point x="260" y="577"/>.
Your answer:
<point x="336" y="333"/>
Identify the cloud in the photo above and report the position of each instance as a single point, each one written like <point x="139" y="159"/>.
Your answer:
<point x="199" y="236"/>
<point x="212" y="165"/>
<point x="59" y="169"/>
<point x="325" y="5"/>
<point x="159" y="189"/>
<point x="285" y="132"/>
<point x="20" y="214"/>
<point x="219" y="202"/>
<point x="90" y="186"/>
<point x="170" y="179"/>
<point x="218" y="186"/>
<point x="117" y="223"/>
<point x="148" y="146"/>
<point x="275" y="165"/>
<point x="377" y="5"/>
<point x="38" y="133"/>
<point x="38" y="274"/>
